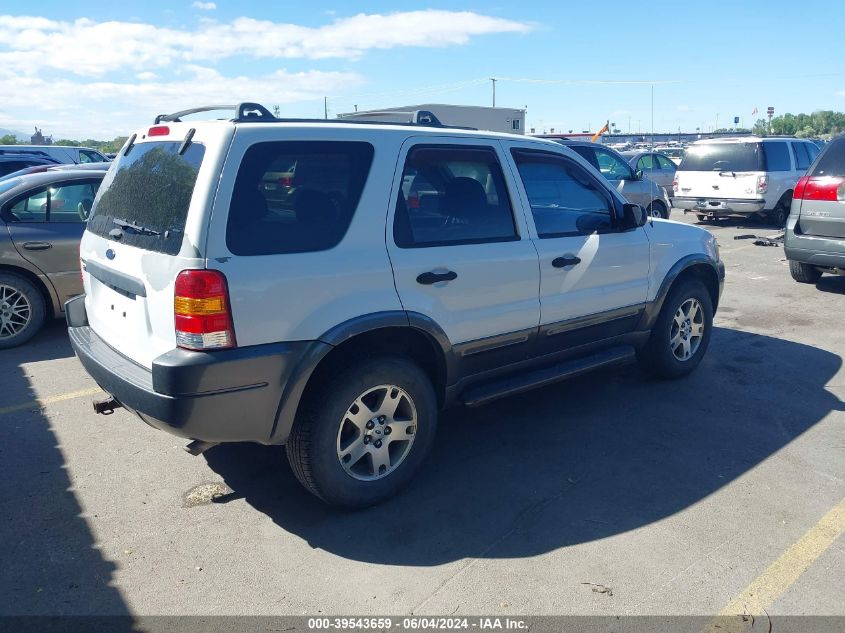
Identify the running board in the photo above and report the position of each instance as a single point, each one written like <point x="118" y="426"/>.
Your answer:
<point x="503" y="387"/>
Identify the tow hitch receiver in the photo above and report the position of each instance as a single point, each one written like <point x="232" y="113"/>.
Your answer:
<point x="106" y="406"/>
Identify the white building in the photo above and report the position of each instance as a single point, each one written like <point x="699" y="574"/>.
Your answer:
<point x="480" y="117"/>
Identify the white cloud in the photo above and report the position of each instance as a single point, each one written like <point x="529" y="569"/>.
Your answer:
<point x="106" y="109"/>
<point x="146" y="76"/>
<point x="90" y="48"/>
<point x="204" y="6"/>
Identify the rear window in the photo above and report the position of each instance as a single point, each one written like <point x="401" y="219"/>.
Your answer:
<point x="146" y="194"/>
<point x="831" y="161"/>
<point x="296" y="196"/>
<point x="723" y="157"/>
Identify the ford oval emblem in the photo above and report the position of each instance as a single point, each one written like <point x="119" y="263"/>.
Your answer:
<point x="110" y="254"/>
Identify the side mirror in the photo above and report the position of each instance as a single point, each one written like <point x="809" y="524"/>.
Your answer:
<point x="633" y="216"/>
<point x="638" y="175"/>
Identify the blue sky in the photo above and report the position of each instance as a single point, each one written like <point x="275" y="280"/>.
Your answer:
<point x="96" y="70"/>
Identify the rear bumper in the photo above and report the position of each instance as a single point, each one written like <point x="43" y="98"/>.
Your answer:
<point x="719" y="206"/>
<point x="240" y="395"/>
<point x="827" y="252"/>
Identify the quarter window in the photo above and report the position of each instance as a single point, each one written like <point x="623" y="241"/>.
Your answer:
<point x="452" y="195"/>
<point x="564" y="198"/>
<point x="296" y="196"/>
<point x="802" y="158"/>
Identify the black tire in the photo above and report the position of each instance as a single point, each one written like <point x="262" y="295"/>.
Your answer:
<point x="312" y="447"/>
<point x="780" y="213"/>
<point x="658" y="210"/>
<point x="13" y="334"/>
<point x="804" y="273"/>
<point x="657" y="356"/>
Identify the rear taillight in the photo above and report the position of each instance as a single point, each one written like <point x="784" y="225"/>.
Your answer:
<point x="828" y="188"/>
<point x="202" y="312"/>
<point x="286" y="181"/>
<point x="762" y="184"/>
<point x="675" y="182"/>
<point x="158" y="130"/>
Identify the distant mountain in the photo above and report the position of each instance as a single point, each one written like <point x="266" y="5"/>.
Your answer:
<point x="21" y="136"/>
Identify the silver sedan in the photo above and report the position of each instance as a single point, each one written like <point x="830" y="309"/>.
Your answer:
<point x="658" y="167"/>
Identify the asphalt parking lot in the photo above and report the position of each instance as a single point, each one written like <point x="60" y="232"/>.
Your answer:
<point x="687" y="497"/>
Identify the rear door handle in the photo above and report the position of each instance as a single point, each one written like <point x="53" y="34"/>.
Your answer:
<point x="432" y="278"/>
<point x="560" y="262"/>
<point x="37" y="246"/>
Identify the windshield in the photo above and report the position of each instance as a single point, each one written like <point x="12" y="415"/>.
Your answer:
<point x="146" y="195"/>
<point x="723" y="157"/>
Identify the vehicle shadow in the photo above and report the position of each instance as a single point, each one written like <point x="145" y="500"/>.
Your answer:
<point x="831" y="283"/>
<point x="51" y="565"/>
<point x="567" y="464"/>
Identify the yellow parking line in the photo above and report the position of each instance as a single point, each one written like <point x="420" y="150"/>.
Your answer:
<point x="782" y="574"/>
<point x="43" y="402"/>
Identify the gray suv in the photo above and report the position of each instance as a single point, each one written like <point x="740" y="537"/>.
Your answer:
<point x="815" y="231"/>
<point x="42" y="218"/>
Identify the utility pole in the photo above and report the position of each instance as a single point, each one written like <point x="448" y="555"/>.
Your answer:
<point x="652" y="116"/>
<point x="325" y="107"/>
<point x="493" y="79"/>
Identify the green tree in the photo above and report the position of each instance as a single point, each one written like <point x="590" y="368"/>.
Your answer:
<point x="8" y="139"/>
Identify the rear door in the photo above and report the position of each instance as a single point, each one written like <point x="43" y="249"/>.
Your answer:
<point x="721" y="170"/>
<point x="148" y="224"/>
<point x="822" y="209"/>
<point x="781" y="171"/>
<point x="46" y="225"/>
<point x="593" y="276"/>
<point x="460" y="248"/>
<point x="664" y="172"/>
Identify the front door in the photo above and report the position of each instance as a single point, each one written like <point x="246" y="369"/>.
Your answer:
<point x="593" y="275"/>
<point x="461" y="255"/>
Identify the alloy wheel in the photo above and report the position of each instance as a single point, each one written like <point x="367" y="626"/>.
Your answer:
<point x="15" y="311"/>
<point x="686" y="329"/>
<point x="376" y="433"/>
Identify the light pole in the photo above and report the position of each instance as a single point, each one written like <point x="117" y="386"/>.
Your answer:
<point x="493" y="79"/>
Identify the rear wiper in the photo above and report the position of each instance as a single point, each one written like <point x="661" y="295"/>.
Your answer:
<point x="723" y="173"/>
<point x="136" y="228"/>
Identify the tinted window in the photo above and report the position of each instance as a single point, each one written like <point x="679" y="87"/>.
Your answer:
<point x="564" y="198"/>
<point x="296" y="196"/>
<point x="802" y="158"/>
<point x="150" y="187"/>
<point x="832" y="160"/>
<point x="7" y="167"/>
<point x="723" y="157"/>
<point x="452" y="195"/>
<point x="813" y="150"/>
<point x="777" y="156"/>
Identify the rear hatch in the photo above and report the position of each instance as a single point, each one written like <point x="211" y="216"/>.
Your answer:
<point x="147" y="224"/>
<point x="722" y="170"/>
<point x="820" y="195"/>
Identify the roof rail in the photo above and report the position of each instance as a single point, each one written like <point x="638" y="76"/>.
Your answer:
<point x="246" y="111"/>
<point x="249" y="112"/>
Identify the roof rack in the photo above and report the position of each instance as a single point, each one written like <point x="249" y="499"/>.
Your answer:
<point x="248" y="112"/>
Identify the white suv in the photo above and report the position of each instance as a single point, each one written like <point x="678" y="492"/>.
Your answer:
<point x="331" y="285"/>
<point x="742" y="176"/>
